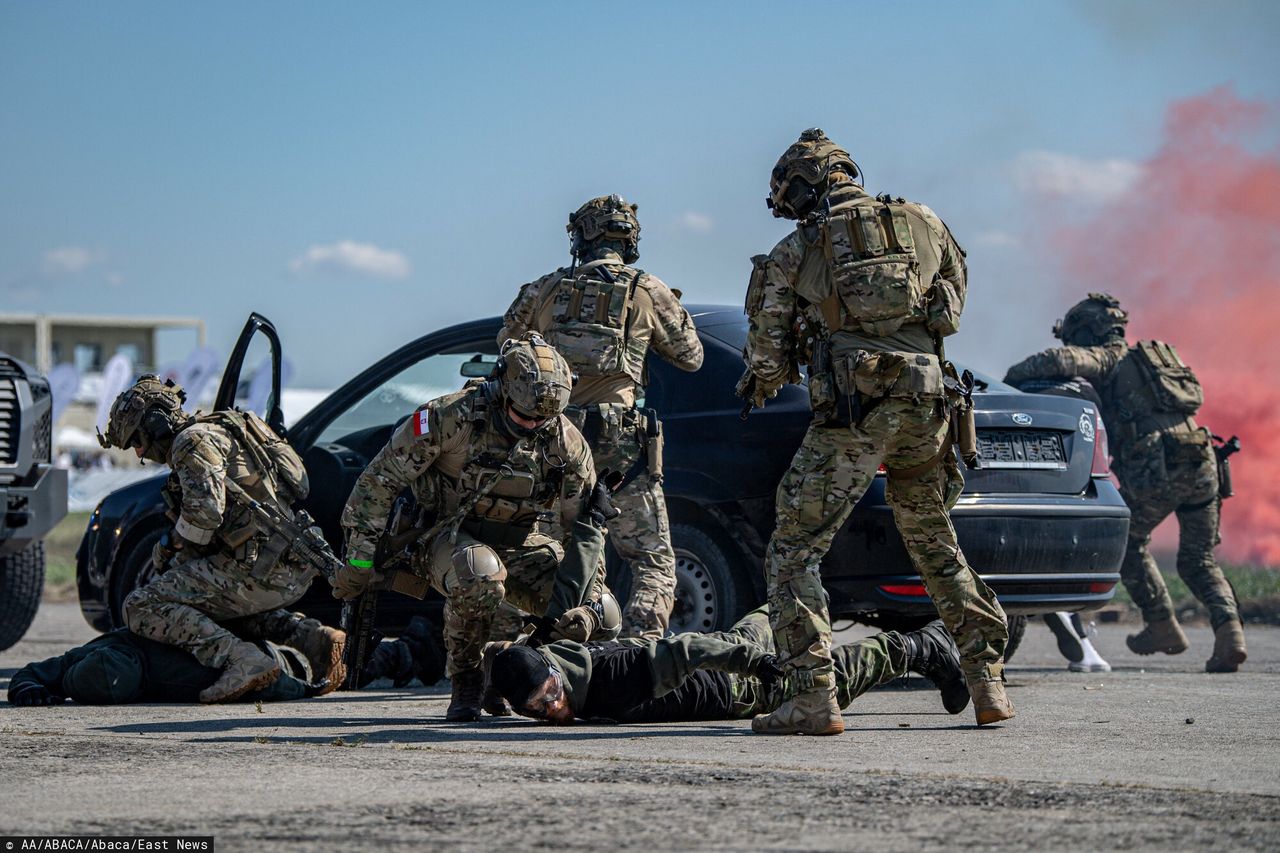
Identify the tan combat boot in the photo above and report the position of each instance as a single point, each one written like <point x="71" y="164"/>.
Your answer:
<point x="1228" y="648"/>
<point x="492" y="701"/>
<point x="247" y="668"/>
<point x="464" y="700"/>
<point x="990" y="703"/>
<point x="812" y="711"/>
<point x="1161" y="635"/>
<point x="323" y="647"/>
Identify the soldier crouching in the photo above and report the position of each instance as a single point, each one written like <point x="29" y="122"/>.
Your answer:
<point x="510" y="480"/>
<point x="221" y="562"/>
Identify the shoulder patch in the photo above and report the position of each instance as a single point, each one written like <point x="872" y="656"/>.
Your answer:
<point x="422" y="422"/>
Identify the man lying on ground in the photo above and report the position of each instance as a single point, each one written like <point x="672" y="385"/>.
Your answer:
<point x="120" y="667"/>
<point x="731" y="675"/>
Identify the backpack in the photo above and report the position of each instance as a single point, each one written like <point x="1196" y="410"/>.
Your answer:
<point x="591" y="315"/>
<point x="871" y="255"/>
<point x="1171" y="384"/>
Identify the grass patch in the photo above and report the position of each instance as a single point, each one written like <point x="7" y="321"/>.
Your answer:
<point x="1257" y="589"/>
<point x="60" y="553"/>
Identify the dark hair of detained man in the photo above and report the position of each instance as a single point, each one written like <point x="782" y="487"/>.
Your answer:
<point x="730" y="675"/>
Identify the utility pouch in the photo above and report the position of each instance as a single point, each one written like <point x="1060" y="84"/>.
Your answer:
<point x="942" y="307"/>
<point x="653" y="443"/>
<point x="1172" y="385"/>
<point x="959" y="395"/>
<point x="240" y="533"/>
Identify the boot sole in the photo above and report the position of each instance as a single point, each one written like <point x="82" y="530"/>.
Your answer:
<point x="1167" y="650"/>
<point x="1231" y="663"/>
<point x="834" y="729"/>
<point x="256" y="683"/>
<point x="986" y="718"/>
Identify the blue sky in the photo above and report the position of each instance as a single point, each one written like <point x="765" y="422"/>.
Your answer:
<point x="364" y="173"/>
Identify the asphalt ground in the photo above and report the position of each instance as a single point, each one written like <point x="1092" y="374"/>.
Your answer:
<point x="1155" y="754"/>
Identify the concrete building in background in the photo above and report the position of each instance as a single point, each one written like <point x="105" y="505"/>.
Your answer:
<point x="87" y="341"/>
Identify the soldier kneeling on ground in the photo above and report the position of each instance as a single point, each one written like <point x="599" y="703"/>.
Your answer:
<point x="220" y="561"/>
<point x="121" y="667"/>
<point x="511" y="482"/>
<point x="732" y="675"/>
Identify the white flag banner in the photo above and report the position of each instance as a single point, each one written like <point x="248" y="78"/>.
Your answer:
<point x="260" y="384"/>
<point x="115" y="378"/>
<point x="64" y="382"/>
<point x="203" y="364"/>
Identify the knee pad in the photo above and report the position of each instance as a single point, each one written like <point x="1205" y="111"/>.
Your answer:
<point x="610" y="613"/>
<point x="477" y="564"/>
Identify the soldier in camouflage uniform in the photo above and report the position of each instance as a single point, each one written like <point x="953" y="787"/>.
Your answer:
<point x="862" y="292"/>
<point x="604" y="317"/>
<point x="511" y="479"/>
<point x="218" y="562"/>
<point x="1164" y="461"/>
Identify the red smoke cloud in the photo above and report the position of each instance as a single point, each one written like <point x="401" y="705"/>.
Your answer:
<point x="1193" y="252"/>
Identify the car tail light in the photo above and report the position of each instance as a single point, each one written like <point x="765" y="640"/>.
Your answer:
<point x="914" y="589"/>
<point x="1101" y="466"/>
<point x="1102" y="586"/>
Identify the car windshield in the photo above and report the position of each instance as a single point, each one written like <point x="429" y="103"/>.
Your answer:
<point x="404" y="392"/>
<point x="735" y="335"/>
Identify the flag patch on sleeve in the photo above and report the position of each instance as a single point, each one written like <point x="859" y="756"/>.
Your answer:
<point x="421" y="424"/>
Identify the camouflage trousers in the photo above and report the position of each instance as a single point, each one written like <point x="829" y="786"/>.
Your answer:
<point x="641" y="534"/>
<point x="184" y="606"/>
<point x="859" y="666"/>
<point x="1188" y="486"/>
<point x="828" y="475"/>
<point x="523" y="584"/>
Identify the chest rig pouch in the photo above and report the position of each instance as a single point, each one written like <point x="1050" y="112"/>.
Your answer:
<point x="510" y="491"/>
<point x="871" y="256"/>
<point x="591" y="320"/>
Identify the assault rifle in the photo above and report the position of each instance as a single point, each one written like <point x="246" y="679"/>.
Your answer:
<point x="1223" y="450"/>
<point x="305" y="541"/>
<point x="359" y="615"/>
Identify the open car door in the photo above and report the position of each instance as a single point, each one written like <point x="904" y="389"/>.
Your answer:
<point x="226" y="397"/>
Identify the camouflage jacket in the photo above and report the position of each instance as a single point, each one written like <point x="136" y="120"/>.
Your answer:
<point x="453" y="444"/>
<point x="788" y="287"/>
<point x="202" y="457"/>
<point x="1129" y="416"/>
<point x="657" y="321"/>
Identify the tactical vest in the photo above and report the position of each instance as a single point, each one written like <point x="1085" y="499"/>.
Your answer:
<point x="871" y="259"/>
<point x="1151" y="388"/>
<point x="520" y="484"/>
<point x="591" y="320"/>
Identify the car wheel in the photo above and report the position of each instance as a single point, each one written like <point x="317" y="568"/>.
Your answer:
<point x="21" y="583"/>
<point x="1017" y="627"/>
<point x="709" y="594"/>
<point x="135" y="571"/>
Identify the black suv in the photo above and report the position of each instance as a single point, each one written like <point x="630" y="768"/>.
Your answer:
<point x="1041" y="520"/>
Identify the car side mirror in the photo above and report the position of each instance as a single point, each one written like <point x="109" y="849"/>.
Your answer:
<point x="477" y="367"/>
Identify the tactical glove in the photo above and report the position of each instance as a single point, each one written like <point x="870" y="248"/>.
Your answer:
<point x="599" y="506"/>
<point x="350" y="581"/>
<point x="767" y="670"/>
<point x="163" y="552"/>
<point x="31" y="695"/>
<point x="577" y="624"/>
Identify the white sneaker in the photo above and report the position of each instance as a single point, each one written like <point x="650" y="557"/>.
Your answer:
<point x="1091" y="661"/>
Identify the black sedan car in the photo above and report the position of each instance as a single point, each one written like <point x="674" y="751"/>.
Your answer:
<point x="1040" y="520"/>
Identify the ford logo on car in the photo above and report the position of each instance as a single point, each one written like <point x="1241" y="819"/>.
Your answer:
<point x="1021" y="419"/>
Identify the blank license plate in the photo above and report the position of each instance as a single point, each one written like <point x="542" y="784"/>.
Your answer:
<point x="1027" y="449"/>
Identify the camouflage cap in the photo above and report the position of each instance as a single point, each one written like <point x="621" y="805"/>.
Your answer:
<point x="1096" y="319"/>
<point x="148" y="394"/>
<point x="810" y="159"/>
<point x="608" y="217"/>
<point x="536" y="379"/>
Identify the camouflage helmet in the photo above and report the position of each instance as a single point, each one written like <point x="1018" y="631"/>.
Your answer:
<point x="535" y="379"/>
<point x="148" y="411"/>
<point x="1092" y="321"/>
<point x="799" y="179"/>
<point x="608" y="217"/>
